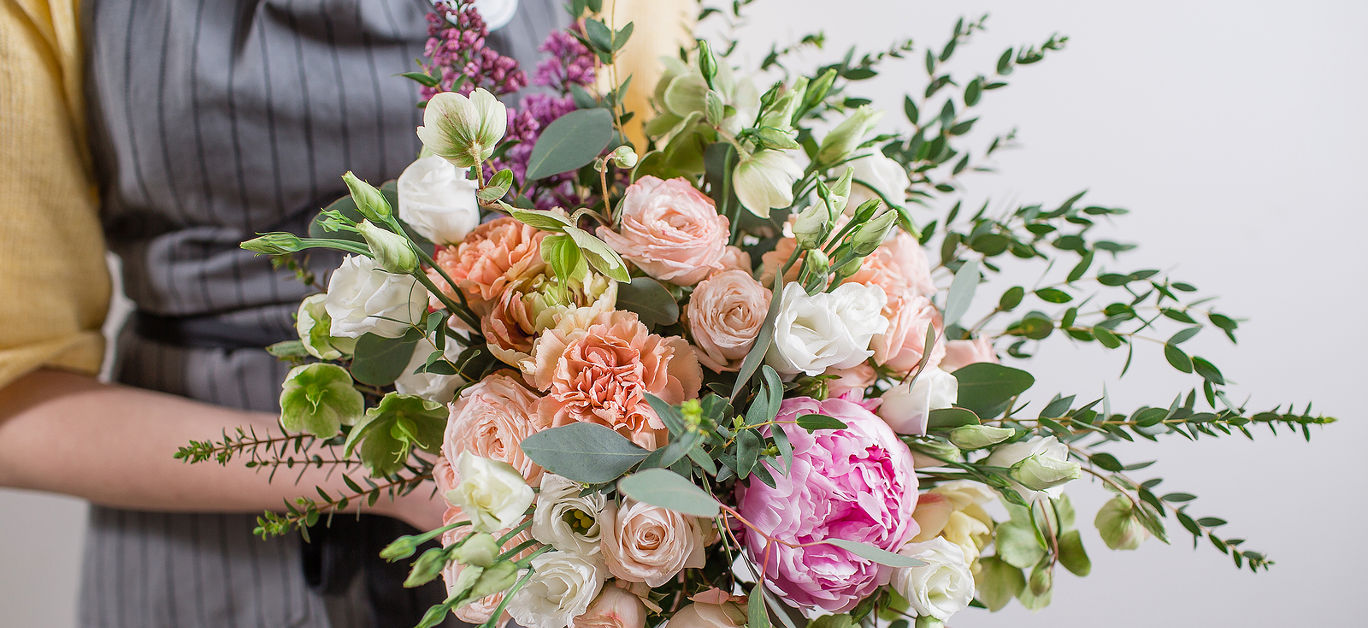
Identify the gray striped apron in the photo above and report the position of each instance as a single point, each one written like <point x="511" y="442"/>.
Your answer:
<point x="212" y="120"/>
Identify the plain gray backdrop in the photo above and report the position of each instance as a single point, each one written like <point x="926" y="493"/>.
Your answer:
<point x="1234" y="132"/>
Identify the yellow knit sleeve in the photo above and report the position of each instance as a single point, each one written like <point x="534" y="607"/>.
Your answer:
<point x="54" y="285"/>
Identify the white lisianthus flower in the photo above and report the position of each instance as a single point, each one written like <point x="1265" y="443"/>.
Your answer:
<point x="463" y="130"/>
<point x="363" y="298"/>
<point x="1039" y="465"/>
<point x="907" y="406"/>
<point x="315" y="330"/>
<point x="437" y="200"/>
<point x="940" y="588"/>
<point x="561" y="588"/>
<point x="430" y="386"/>
<point x="492" y="493"/>
<point x="565" y="520"/>
<point x="884" y="175"/>
<point x="764" y="181"/>
<point x="826" y="330"/>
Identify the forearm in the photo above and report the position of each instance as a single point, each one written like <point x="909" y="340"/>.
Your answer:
<point x="114" y="445"/>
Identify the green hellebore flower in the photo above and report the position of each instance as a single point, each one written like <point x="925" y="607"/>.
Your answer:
<point x="1117" y="525"/>
<point x="764" y="181"/>
<point x="314" y="327"/>
<point x="319" y="399"/>
<point x="463" y="130"/>
<point x="847" y="136"/>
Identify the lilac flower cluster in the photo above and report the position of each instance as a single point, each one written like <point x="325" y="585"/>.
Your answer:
<point x="458" y="55"/>
<point x="570" y="63"/>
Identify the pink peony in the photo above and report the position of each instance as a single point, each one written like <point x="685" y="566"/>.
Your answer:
<point x="962" y="353"/>
<point x="724" y="315"/>
<point x="490" y="258"/>
<point x="670" y="230"/>
<point x="598" y="366"/>
<point x="856" y="484"/>
<point x="490" y="419"/>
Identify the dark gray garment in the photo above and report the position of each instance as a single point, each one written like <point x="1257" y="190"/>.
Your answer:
<point x="212" y="120"/>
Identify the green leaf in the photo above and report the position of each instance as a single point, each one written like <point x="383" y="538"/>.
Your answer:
<point x="747" y="452"/>
<point x="669" y="490"/>
<point x="379" y="361"/>
<point x="583" y="452"/>
<point x="1072" y="555"/>
<point x="949" y="418"/>
<point x="998" y="582"/>
<point x="984" y="387"/>
<point x="498" y="186"/>
<point x="1053" y="295"/>
<point x="757" y="616"/>
<point x="869" y="552"/>
<point x="1177" y="358"/>
<point x="571" y="142"/>
<point x="602" y="257"/>
<point x="814" y="422"/>
<point x="962" y="289"/>
<point x="1011" y="298"/>
<point x="652" y="303"/>
<point x="1018" y="544"/>
<point x="545" y="220"/>
<point x="762" y="342"/>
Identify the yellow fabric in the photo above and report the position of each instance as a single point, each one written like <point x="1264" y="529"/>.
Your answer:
<point x="54" y="285"/>
<point x="659" y="28"/>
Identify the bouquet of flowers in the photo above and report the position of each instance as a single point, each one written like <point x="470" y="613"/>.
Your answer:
<point x="721" y="373"/>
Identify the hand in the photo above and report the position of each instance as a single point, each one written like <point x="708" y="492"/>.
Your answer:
<point x="422" y="508"/>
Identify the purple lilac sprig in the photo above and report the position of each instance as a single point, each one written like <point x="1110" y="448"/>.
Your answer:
<point x="459" y="57"/>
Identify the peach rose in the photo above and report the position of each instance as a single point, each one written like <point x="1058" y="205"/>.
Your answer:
<point x="724" y="316"/>
<point x="597" y="367"/>
<point x="491" y="257"/>
<point x="962" y="353"/>
<point x="645" y="543"/>
<point x="614" y="607"/>
<point x="852" y="380"/>
<point x="902" y="346"/>
<point x="490" y="419"/>
<point x="898" y="265"/>
<point x="670" y="230"/>
<point x="771" y="262"/>
<point x="479" y="611"/>
<point x="734" y="259"/>
<point x="444" y="475"/>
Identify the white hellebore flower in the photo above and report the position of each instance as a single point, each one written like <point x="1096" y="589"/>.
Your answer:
<point x="1039" y="464"/>
<point x="907" y="406"/>
<point x="430" y="386"/>
<point x="826" y="330"/>
<point x="315" y="330"/>
<point x="940" y="588"/>
<point x="764" y="181"/>
<point x="492" y="493"/>
<point x="561" y="588"/>
<point x="567" y="521"/>
<point x="463" y="130"/>
<point x="363" y="298"/>
<point x="882" y="175"/>
<point x="437" y="200"/>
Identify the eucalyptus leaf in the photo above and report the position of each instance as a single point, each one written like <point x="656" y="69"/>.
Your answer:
<point x="570" y="142"/>
<point x="869" y="552"/>
<point x="814" y="422"/>
<point x="379" y="361"/>
<point x="985" y="387"/>
<point x="962" y="289"/>
<point x="651" y="302"/>
<point x="583" y="452"/>
<point x="669" y="490"/>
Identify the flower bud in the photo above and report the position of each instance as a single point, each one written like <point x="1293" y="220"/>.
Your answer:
<point x="495" y="578"/>
<point x="707" y="63"/>
<point x="428" y="566"/>
<point x="369" y="201"/>
<point x="315" y="330"/>
<point x="838" y="195"/>
<point x="274" y="244"/>
<point x="817" y="266"/>
<point x="811" y="226"/>
<point x="480" y="550"/>
<point x="872" y="233"/>
<point x="1117" y="525"/>
<point x="764" y="181"/>
<point x="463" y="130"/>
<point x="847" y="270"/>
<point x="780" y="113"/>
<point x="930" y="453"/>
<point x="624" y="157"/>
<point x="1042" y="470"/>
<point x="819" y="88"/>
<point x="401" y="548"/>
<point x="979" y="436"/>
<point x="391" y="251"/>
<point x="848" y="135"/>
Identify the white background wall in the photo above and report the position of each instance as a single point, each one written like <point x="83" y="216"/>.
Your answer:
<point x="1233" y="130"/>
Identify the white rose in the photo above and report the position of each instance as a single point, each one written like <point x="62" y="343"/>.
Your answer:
<point x="491" y="493"/>
<point x="565" y="520"/>
<point x="1039" y="465"/>
<point x="825" y="330"/>
<point x="313" y="325"/>
<point x="364" y="298"/>
<point x="561" y="588"/>
<point x="884" y="175"/>
<point x="430" y="386"/>
<point x="940" y="588"/>
<point x="907" y="406"/>
<point x="437" y="200"/>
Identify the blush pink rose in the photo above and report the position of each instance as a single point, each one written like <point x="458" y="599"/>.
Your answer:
<point x="598" y="366"/>
<point x="734" y="259"/>
<point x="852" y="380"/>
<point x="771" y="262"/>
<point x="962" y="353"/>
<point x="855" y="483"/>
<point x="902" y="346"/>
<point x="713" y="608"/>
<point x="490" y="419"/>
<point x="670" y="230"/>
<point x="724" y="316"/>
<point x="491" y="257"/>
<point x="614" y="607"/>
<point x="899" y="265"/>
<point x="645" y="543"/>
<point x="479" y="611"/>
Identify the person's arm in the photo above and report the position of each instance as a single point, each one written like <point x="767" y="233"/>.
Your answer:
<point x="60" y="429"/>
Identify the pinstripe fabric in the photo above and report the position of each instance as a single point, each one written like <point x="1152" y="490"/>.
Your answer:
<point x="212" y="120"/>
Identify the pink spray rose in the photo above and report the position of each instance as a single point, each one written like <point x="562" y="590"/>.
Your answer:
<point x="490" y="419"/>
<point x="615" y="607"/>
<point x="902" y="346"/>
<point x="852" y="380"/>
<point x="855" y="483"/>
<point x="670" y="230"/>
<point x="962" y="353"/>
<point x="713" y="608"/>
<point x="645" y="543"/>
<point x="898" y="265"/>
<point x="724" y="315"/>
